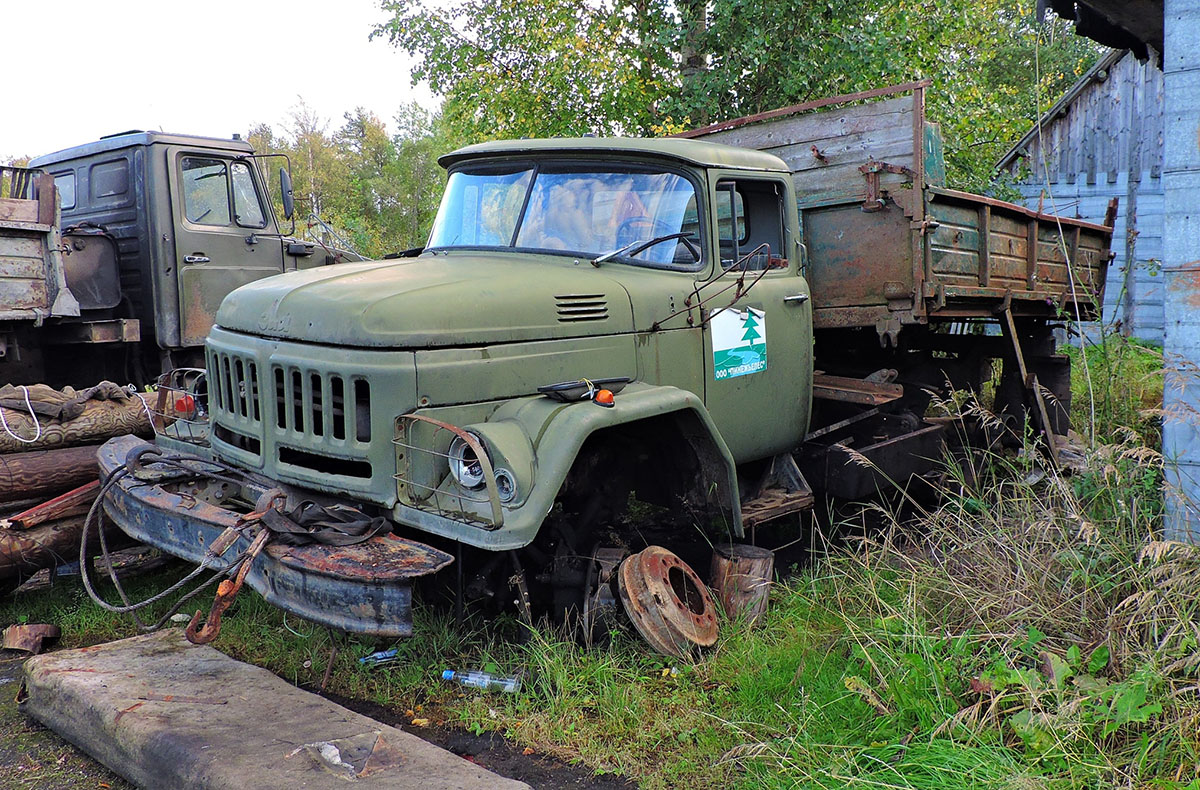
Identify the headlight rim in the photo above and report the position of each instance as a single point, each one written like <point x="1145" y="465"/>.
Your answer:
<point x="456" y="462"/>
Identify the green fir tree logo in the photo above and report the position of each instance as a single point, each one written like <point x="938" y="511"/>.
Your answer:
<point x="751" y="327"/>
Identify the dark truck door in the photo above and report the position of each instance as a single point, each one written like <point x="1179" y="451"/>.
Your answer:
<point x="223" y="234"/>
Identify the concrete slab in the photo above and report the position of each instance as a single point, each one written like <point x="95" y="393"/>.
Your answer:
<point x="167" y="714"/>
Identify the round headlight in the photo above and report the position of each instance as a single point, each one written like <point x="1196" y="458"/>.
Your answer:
<point x="506" y="485"/>
<point x="465" y="467"/>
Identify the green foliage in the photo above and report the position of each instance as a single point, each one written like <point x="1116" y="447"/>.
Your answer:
<point x="554" y="67"/>
<point x="380" y="189"/>
<point x="512" y="68"/>
<point x="1117" y="388"/>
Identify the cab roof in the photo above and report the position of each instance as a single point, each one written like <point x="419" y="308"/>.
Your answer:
<point x="693" y="152"/>
<point x="136" y="137"/>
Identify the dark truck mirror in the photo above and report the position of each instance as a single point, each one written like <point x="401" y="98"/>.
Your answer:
<point x="285" y="191"/>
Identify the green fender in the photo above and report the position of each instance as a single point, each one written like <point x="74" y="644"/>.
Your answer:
<point x="538" y="439"/>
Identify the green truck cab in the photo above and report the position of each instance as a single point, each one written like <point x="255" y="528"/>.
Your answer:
<point x="524" y="284"/>
<point x="609" y="343"/>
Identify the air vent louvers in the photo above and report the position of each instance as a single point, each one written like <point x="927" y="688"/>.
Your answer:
<point x="573" y="308"/>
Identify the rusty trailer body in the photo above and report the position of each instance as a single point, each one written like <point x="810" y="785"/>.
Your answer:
<point x="889" y="246"/>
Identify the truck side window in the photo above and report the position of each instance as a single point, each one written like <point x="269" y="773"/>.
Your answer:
<point x="750" y="215"/>
<point x="65" y="184"/>
<point x="246" y="207"/>
<point x="731" y="222"/>
<point x="205" y="191"/>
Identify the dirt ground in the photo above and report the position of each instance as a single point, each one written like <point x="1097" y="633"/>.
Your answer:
<point x="34" y="758"/>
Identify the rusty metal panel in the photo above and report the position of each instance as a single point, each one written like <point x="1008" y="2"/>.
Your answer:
<point x="857" y="258"/>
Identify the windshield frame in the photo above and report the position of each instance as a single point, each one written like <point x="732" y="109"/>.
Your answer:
<point x="634" y="165"/>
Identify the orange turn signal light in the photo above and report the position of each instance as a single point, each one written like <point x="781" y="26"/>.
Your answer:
<point x="604" y="398"/>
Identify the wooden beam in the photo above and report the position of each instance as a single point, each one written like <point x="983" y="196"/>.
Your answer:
<point x="875" y="93"/>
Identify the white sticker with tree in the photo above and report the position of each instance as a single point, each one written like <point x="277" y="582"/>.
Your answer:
<point x="739" y="339"/>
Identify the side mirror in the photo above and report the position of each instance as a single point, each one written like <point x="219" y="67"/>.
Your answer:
<point x="285" y="191"/>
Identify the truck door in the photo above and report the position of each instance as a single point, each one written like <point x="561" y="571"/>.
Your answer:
<point x="758" y="348"/>
<point x="223" y="230"/>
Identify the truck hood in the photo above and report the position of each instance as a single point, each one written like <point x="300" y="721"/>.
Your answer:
<point x="452" y="299"/>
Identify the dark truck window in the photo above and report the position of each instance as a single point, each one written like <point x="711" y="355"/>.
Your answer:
<point x="246" y="207"/>
<point x="65" y="183"/>
<point x="749" y="215"/>
<point x="109" y="179"/>
<point x="206" y="193"/>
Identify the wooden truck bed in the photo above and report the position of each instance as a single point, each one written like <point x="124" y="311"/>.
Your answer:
<point x="889" y="246"/>
<point x="32" y="278"/>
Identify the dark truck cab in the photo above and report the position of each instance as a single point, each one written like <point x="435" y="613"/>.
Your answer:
<point x="157" y="229"/>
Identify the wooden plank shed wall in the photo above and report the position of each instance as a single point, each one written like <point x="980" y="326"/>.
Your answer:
<point x="1104" y="139"/>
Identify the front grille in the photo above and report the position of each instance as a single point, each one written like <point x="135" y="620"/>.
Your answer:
<point x="235" y="400"/>
<point x="573" y="308"/>
<point x="321" y="405"/>
<point x="309" y="415"/>
<point x="237" y="391"/>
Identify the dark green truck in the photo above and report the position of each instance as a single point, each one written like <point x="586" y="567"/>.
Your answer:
<point x="115" y="254"/>
<point x="609" y="343"/>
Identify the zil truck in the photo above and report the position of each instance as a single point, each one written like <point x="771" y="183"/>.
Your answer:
<point x="608" y="344"/>
<point x="115" y="254"/>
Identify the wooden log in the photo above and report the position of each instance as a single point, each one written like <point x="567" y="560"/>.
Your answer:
<point x="22" y="554"/>
<point x="100" y="420"/>
<point x="75" y="502"/>
<point x="45" y="473"/>
<point x="741" y="579"/>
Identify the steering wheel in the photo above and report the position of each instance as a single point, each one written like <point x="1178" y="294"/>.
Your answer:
<point x="628" y="227"/>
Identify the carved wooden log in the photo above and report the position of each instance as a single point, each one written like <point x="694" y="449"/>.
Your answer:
<point x="741" y="579"/>
<point x="22" y="554"/>
<point x="76" y="502"/>
<point x="44" y="473"/>
<point x="101" y="419"/>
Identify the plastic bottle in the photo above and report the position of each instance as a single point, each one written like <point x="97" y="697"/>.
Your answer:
<point x="484" y="680"/>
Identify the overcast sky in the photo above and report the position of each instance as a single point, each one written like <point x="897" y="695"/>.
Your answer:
<point x="79" y="69"/>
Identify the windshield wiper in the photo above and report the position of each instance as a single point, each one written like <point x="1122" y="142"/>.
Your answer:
<point x="634" y="247"/>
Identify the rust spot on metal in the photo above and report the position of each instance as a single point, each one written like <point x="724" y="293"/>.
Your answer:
<point x="851" y="390"/>
<point x="227" y="590"/>
<point x="380" y="559"/>
<point x="1187" y="280"/>
<point x="30" y="638"/>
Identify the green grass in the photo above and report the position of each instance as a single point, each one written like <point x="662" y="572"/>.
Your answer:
<point x="1125" y="392"/>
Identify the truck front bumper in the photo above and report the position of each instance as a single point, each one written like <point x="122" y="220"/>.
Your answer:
<point x="364" y="588"/>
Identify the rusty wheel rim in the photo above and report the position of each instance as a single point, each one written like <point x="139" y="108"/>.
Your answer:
<point x="667" y="602"/>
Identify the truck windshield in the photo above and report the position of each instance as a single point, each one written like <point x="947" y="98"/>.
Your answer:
<point x="581" y="210"/>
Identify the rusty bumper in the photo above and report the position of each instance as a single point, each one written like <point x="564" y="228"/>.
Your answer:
<point x="365" y="588"/>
